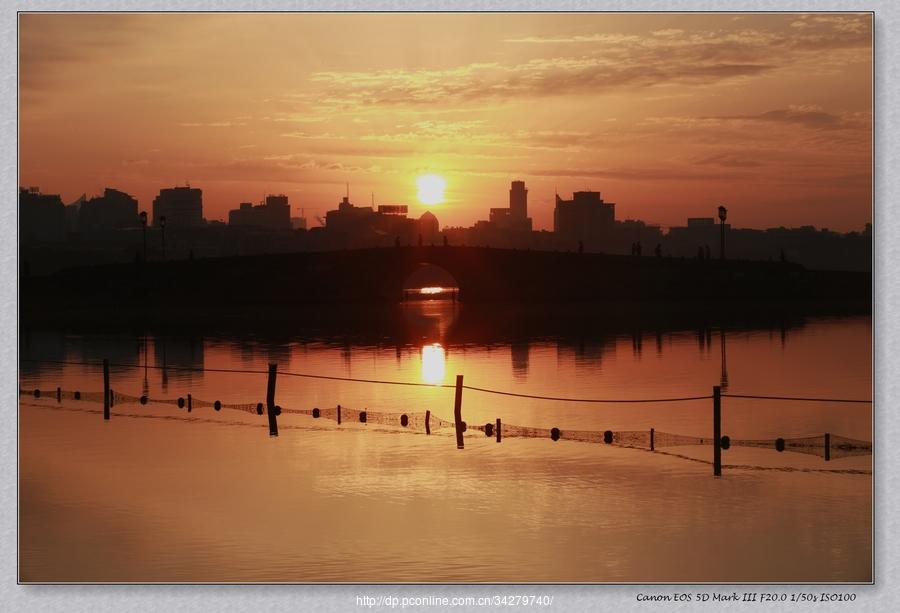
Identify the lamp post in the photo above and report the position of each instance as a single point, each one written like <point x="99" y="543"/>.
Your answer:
<point x="162" y="227"/>
<point x="144" y="231"/>
<point x="723" y="212"/>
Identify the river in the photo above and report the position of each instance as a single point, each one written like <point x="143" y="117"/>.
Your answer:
<point x="157" y="494"/>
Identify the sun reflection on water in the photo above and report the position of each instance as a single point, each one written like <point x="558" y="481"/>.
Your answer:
<point x="433" y="364"/>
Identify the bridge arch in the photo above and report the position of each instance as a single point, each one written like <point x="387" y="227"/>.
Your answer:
<point x="429" y="280"/>
<point x="466" y="269"/>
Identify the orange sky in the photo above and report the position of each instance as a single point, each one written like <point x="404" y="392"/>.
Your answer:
<point x="667" y="115"/>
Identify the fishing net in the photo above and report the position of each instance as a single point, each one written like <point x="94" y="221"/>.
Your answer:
<point x="828" y="446"/>
<point x="842" y="446"/>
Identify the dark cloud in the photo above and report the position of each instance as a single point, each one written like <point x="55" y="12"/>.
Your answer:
<point x="813" y="118"/>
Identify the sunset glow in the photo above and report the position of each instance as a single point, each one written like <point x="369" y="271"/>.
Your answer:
<point x="433" y="364"/>
<point x="431" y="290"/>
<point x="667" y="115"/>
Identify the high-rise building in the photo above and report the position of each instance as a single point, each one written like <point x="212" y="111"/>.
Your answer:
<point x="585" y="216"/>
<point x="181" y="206"/>
<point x="518" y="201"/>
<point x="516" y="216"/>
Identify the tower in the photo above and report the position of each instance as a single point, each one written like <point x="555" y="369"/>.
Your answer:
<point x="518" y="201"/>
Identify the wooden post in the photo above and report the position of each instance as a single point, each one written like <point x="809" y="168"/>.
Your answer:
<point x="717" y="431"/>
<point x="498" y="429"/>
<point x="457" y="412"/>
<point x="270" y="400"/>
<point x="339" y="415"/>
<point x="106" y="390"/>
<point x="652" y="442"/>
<point x="190" y="403"/>
<point x="58" y="394"/>
<point x="427" y="421"/>
<point x="827" y="447"/>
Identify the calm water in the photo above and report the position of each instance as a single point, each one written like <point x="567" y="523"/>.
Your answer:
<point x="213" y="498"/>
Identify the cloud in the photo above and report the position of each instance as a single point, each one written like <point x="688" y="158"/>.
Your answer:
<point x="535" y="78"/>
<point x="461" y="136"/>
<point x="808" y="116"/>
<point x="608" y="62"/>
<point x="810" y="121"/>
<point x="729" y="160"/>
<point x="577" y="38"/>
<point x="275" y="168"/>
<point x="679" y="173"/>
<point x="211" y="124"/>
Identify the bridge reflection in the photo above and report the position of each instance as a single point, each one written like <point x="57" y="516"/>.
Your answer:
<point x="421" y="334"/>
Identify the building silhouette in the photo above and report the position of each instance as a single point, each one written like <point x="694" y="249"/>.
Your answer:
<point x="181" y="206"/>
<point x="429" y="228"/>
<point x="351" y="225"/>
<point x="699" y="235"/>
<point x="42" y="217"/>
<point x="299" y="222"/>
<point x="73" y="213"/>
<point x="516" y="216"/>
<point x="105" y="229"/>
<point x="273" y="214"/>
<point x="585" y="217"/>
<point x="518" y="201"/>
<point x="111" y="211"/>
<point x="349" y="217"/>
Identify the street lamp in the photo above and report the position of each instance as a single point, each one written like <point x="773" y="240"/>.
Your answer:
<point x="723" y="212"/>
<point x="162" y="226"/>
<point x="144" y="231"/>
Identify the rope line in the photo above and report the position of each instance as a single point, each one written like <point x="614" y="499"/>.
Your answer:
<point x="377" y="381"/>
<point x="796" y="398"/>
<point x="599" y="400"/>
<point x="449" y="386"/>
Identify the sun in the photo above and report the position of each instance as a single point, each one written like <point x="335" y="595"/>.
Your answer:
<point x="431" y="189"/>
